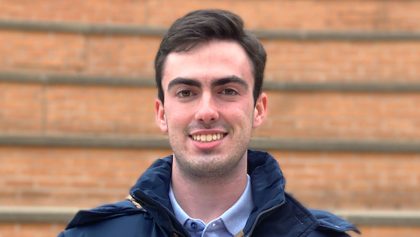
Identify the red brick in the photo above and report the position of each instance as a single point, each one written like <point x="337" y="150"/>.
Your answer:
<point x="342" y="115"/>
<point x="130" y="111"/>
<point x="70" y="177"/>
<point x="41" y="51"/>
<point x="330" y="15"/>
<point x="95" y="11"/>
<point x="21" y="108"/>
<point x="287" y="60"/>
<point x="386" y="231"/>
<point x="351" y="180"/>
<point x="338" y="15"/>
<point x="88" y="177"/>
<point x="128" y="56"/>
<point x="342" y="61"/>
<point x="30" y="230"/>
<point x="100" y="110"/>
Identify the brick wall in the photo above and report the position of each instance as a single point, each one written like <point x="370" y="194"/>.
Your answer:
<point x="307" y="15"/>
<point x="86" y="177"/>
<point x="287" y="61"/>
<point x="30" y="230"/>
<point x="99" y="110"/>
<point x="80" y="176"/>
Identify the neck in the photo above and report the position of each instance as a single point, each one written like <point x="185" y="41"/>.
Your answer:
<point x="208" y="198"/>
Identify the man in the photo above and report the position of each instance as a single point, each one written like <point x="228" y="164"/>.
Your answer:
<point x="209" y="74"/>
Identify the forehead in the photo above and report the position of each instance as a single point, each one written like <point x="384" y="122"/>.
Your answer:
<point x="209" y="61"/>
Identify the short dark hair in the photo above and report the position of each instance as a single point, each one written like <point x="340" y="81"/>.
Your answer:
<point x="203" y="26"/>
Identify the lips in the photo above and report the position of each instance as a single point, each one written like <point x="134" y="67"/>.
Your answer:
<point x="210" y="137"/>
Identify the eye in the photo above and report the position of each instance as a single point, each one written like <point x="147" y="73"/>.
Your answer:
<point x="229" y="91"/>
<point x="184" y="93"/>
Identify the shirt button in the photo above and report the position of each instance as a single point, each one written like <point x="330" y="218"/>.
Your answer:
<point x="194" y="225"/>
<point x="213" y="225"/>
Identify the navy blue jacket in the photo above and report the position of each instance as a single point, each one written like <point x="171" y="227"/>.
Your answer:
<point x="276" y="213"/>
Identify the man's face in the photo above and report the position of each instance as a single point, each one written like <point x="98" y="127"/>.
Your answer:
<point x="209" y="110"/>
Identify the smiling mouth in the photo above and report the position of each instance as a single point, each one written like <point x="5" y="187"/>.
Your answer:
<point x="208" y="137"/>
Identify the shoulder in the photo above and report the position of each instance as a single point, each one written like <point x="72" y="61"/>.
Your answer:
<point x="331" y="225"/>
<point x="324" y="223"/>
<point x="109" y="220"/>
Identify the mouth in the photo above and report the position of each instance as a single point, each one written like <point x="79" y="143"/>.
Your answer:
<point x="208" y="137"/>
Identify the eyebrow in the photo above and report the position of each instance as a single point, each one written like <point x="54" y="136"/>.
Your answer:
<point x="183" y="81"/>
<point x="231" y="79"/>
<point x="218" y="82"/>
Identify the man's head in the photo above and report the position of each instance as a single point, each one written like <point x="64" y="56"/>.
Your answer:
<point x="203" y="26"/>
<point x="211" y="103"/>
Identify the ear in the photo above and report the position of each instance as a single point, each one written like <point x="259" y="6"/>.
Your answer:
<point x="160" y="116"/>
<point x="260" y="110"/>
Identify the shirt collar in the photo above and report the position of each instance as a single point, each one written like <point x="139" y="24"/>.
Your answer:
<point x="180" y="214"/>
<point x="234" y="218"/>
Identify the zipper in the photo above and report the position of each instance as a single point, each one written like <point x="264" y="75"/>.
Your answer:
<point x="261" y="214"/>
<point x="175" y="231"/>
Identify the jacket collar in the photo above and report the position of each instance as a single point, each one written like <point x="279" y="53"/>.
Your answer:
<point x="267" y="181"/>
<point x="267" y="185"/>
<point x="154" y="183"/>
<point x="151" y="191"/>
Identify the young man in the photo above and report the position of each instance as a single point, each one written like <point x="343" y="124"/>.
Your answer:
<point x="209" y="74"/>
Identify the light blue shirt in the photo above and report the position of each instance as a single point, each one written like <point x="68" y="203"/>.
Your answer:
<point x="230" y="223"/>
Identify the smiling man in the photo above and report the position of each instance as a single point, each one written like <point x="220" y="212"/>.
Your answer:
<point x="209" y="74"/>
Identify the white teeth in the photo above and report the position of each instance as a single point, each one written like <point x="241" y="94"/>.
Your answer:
<point x="207" y="137"/>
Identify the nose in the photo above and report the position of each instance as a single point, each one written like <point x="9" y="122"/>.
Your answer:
<point x="207" y="111"/>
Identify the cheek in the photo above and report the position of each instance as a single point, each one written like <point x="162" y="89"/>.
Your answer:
<point x="177" y="119"/>
<point x="241" y="116"/>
